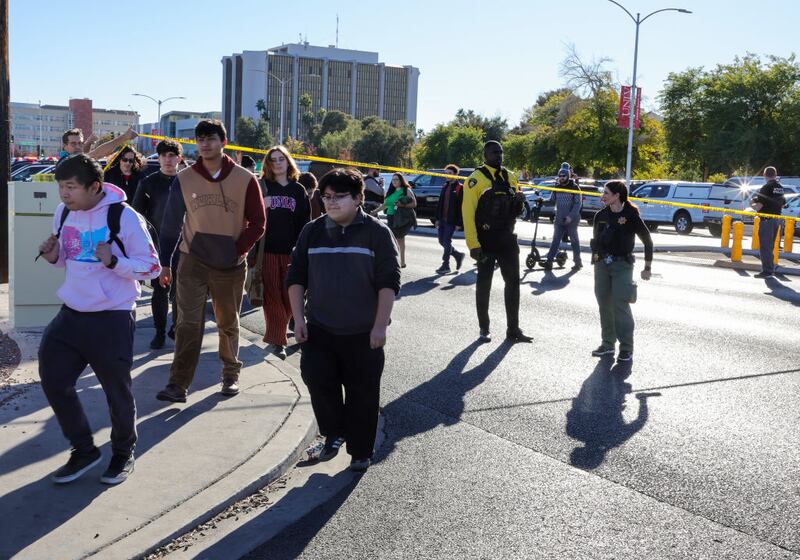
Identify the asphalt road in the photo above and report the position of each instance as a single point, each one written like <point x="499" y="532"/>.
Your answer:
<point x="541" y="451"/>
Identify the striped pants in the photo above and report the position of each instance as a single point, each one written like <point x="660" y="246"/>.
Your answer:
<point x="277" y="309"/>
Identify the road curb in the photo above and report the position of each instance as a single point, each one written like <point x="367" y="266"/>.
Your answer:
<point x="281" y="451"/>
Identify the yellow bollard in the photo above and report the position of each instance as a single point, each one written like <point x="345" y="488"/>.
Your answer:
<point x="788" y="236"/>
<point x="755" y="244"/>
<point x="776" y="249"/>
<point x="726" y="231"/>
<point x="738" y="233"/>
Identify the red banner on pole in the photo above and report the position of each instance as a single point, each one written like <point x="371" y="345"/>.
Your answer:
<point x="625" y="107"/>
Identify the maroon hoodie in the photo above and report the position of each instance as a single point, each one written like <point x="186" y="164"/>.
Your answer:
<point x="218" y="218"/>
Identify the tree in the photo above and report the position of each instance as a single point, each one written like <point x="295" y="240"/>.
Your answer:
<point x="737" y="118"/>
<point x="451" y="144"/>
<point x="261" y="107"/>
<point x="307" y="117"/>
<point x="334" y="121"/>
<point x="252" y="134"/>
<point x="335" y="144"/>
<point x="495" y="128"/>
<point x="383" y="143"/>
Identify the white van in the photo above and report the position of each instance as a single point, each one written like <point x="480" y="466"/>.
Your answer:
<point x="735" y="195"/>
<point x="683" y="219"/>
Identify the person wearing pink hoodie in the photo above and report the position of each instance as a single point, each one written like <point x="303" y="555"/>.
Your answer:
<point x="96" y="323"/>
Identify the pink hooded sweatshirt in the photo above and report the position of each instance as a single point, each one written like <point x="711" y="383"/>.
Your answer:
<point x="89" y="285"/>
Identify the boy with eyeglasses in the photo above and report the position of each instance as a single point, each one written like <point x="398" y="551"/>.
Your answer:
<point x="346" y="263"/>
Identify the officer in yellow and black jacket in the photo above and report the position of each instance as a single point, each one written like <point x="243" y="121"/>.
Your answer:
<point x="492" y="201"/>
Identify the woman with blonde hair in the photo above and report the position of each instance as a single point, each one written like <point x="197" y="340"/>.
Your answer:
<point x="288" y="210"/>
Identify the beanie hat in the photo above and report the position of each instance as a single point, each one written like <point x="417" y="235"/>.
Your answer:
<point x="565" y="168"/>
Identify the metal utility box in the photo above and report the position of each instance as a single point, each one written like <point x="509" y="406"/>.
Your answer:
<point x="32" y="285"/>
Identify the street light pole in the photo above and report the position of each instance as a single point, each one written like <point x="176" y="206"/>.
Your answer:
<point x="266" y="96"/>
<point x="158" y="102"/>
<point x="632" y="97"/>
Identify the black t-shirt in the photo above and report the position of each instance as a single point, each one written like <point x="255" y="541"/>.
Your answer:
<point x="287" y="213"/>
<point x="615" y="232"/>
<point x="771" y="196"/>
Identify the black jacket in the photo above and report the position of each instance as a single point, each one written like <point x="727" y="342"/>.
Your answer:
<point x="151" y="197"/>
<point x="771" y="196"/>
<point x="452" y="195"/>
<point x="342" y="270"/>
<point x="115" y="177"/>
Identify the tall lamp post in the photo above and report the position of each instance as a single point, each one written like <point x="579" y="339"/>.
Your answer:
<point x="283" y="96"/>
<point x="158" y="102"/>
<point x="638" y="20"/>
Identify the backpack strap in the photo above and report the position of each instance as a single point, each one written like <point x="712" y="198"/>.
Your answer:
<point x="113" y="220"/>
<point x="64" y="214"/>
<point x="486" y="173"/>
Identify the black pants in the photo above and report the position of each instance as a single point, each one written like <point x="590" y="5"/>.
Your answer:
<point x="162" y="297"/>
<point x="509" y="268"/>
<point x="104" y="341"/>
<point x="332" y="362"/>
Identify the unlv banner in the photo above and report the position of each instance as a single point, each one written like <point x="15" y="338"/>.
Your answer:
<point x="625" y="107"/>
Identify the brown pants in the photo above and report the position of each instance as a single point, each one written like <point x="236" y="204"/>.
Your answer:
<point x="277" y="309"/>
<point x="195" y="281"/>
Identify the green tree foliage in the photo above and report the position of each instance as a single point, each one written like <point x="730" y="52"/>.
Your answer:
<point x="736" y="118"/>
<point x="383" y="143"/>
<point x="451" y="144"/>
<point x="335" y="144"/>
<point x="252" y="134"/>
<point x="495" y="128"/>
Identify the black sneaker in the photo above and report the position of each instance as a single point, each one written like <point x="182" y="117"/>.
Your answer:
<point x="280" y="351"/>
<point x="171" y="332"/>
<point x="459" y="257"/>
<point x="577" y="266"/>
<point x="172" y="393"/>
<point x="624" y="356"/>
<point x="158" y="341"/>
<point x="444" y="269"/>
<point x="764" y="275"/>
<point x="602" y="351"/>
<point x="331" y="449"/>
<point x="485" y="335"/>
<point x="230" y="388"/>
<point x="548" y="265"/>
<point x="359" y="465"/>
<point x="79" y="462"/>
<point x="118" y="470"/>
<point x="517" y="335"/>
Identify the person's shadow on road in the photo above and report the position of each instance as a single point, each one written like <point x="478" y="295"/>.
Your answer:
<point x="549" y="281"/>
<point x="596" y="419"/>
<point x="443" y="395"/>
<point x="782" y="291"/>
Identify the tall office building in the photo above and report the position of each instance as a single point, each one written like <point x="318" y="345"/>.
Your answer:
<point x="353" y="82"/>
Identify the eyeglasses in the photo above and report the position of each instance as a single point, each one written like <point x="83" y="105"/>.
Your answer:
<point x="337" y="198"/>
<point x="562" y="176"/>
<point x="128" y="160"/>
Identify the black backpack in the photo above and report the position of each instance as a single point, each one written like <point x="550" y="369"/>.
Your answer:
<point x="496" y="213"/>
<point x="113" y="221"/>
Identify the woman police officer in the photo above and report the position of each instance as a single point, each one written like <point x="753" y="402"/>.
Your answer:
<point x="615" y="227"/>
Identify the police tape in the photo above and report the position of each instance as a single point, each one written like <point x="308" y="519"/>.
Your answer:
<point x="409" y="171"/>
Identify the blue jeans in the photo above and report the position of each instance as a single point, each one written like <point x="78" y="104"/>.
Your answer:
<point x="558" y="234"/>
<point x="446" y="232"/>
<point x="767" y="230"/>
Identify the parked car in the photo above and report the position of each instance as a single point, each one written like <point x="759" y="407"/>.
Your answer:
<point x="792" y="208"/>
<point x="589" y="205"/>
<point x="428" y="188"/>
<point x="683" y="219"/>
<point x="24" y="173"/>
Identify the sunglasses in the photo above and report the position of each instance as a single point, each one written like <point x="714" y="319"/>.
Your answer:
<point x="128" y="160"/>
<point x="561" y="176"/>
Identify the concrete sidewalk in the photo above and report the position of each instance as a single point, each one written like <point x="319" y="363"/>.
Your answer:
<point x="192" y="459"/>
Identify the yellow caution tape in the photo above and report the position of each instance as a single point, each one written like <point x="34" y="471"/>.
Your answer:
<point x="408" y="171"/>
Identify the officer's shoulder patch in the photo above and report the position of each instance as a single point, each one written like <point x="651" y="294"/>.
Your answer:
<point x="472" y="182"/>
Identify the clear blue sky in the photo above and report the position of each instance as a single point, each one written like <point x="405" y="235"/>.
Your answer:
<point x="107" y="50"/>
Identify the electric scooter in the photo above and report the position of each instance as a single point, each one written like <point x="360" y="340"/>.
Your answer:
<point x="534" y="257"/>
